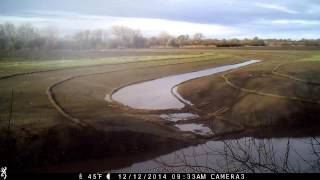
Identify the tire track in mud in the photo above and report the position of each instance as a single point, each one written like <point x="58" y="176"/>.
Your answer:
<point x="291" y="98"/>
<point x="275" y="72"/>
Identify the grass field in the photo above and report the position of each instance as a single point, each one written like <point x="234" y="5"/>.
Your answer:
<point x="16" y="66"/>
<point x="60" y="102"/>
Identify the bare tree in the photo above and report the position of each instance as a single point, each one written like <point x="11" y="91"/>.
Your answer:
<point x="198" y="36"/>
<point x="164" y="39"/>
<point x="182" y="40"/>
<point x="127" y="37"/>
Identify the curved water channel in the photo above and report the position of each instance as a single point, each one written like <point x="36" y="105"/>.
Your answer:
<point x="161" y="94"/>
<point x="158" y="94"/>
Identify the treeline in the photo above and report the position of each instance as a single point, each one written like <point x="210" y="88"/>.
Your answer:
<point x="28" y="37"/>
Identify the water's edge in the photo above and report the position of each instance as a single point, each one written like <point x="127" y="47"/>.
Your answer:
<point x="161" y="93"/>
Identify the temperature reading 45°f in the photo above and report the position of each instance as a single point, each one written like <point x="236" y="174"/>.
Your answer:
<point x="95" y="176"/>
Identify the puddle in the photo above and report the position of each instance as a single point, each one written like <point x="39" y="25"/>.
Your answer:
<point x="195" y="128"/>
<point x="241" y="155"/>
<point x="156" y="94"/>
<point x="175" y="117"/>
<point x="107" y="98"/>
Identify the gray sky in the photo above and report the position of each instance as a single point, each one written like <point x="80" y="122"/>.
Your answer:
<point x="294" y="19"/>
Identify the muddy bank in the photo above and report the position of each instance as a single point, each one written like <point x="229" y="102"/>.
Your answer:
<point x="69" y="148"/>
<point x="69" y="143"/>
<point x="256" y="99"/>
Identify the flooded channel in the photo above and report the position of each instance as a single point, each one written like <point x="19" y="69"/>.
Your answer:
<point x="157" y="94"/>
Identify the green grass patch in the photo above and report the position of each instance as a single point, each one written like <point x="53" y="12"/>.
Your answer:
<point x="315" y="58"/>
<point x="13" y="66"/>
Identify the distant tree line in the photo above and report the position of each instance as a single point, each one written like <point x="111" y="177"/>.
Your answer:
<point x="28" y="37"/>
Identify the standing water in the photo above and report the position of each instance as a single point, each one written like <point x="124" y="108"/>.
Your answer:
<point x="157" y="95"/>
<point x="239" y="155"/>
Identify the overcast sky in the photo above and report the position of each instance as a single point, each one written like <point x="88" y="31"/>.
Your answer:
<point x="294" y="19"/>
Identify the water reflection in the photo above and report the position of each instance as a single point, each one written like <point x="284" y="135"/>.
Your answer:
<point x="175" y="117"/>
<point x="156" y="94"/>
<point x="241" y="155"/>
